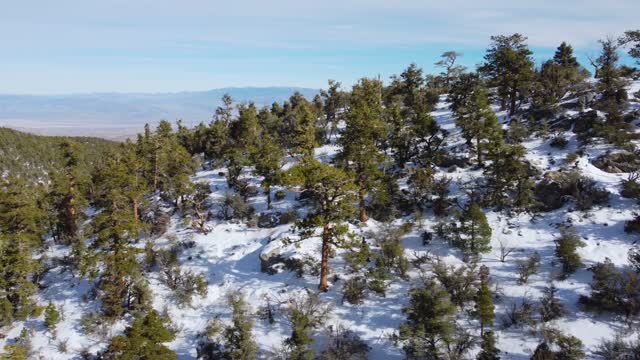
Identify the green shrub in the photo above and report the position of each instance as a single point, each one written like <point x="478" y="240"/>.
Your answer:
<point x="51" y="317"/>
<point x="353" y="290"/>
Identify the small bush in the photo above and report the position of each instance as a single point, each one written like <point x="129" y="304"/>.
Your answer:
<point x="528" y="267"/>
<point x="571" y="158"/>
<point x="614" y="290"/>
<point x="618" y="349"/>
<point x="632" y="226"/>
<point x="344" y="344"/>
<point x="631" y="186"/>
<point x="51" y="317"/>
<point x="520" y="314"/>
<point x="559" y="142"/>
<point x="280" y="195"/>
<point x="353" y="290"/>
<point x="566" y="246"/>
<point x="288" y="217"/>
<point x="233" y="206"/>
<point x="550" y="306"/>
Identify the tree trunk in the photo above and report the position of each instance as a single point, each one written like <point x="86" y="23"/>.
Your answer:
<point x="324" y="263"/>
<point x="363" y="209"/>
<point x="135" y="211"/>
<point x="513" y="96"/>
<point x="268" y="191"/>
<point x="155" y="171"/>
<point x="478" y="151"/>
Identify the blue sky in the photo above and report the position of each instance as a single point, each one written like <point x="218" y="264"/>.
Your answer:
<point x="73" y="46"/>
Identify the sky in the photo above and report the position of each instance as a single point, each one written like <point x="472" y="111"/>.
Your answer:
<point x="79" y="46"/>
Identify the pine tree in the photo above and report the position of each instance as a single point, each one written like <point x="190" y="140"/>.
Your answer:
<point x="239" y="343"/>
<point x="268" y="158"/>
<point x="632" y="37"/>
<point x="484" y="305"/>
<point x="479" y="123"/>
<point x="299" y="127"/>
<point x="550" y="306"/>
<point x="612" y="86"/>
<point x="216" y="140"/>
<point x="142" y="340"/>
<point x="334" y="101"/>
<point x="564" y="56"/>
<point x="429" y="322"/>
<point x="474" y="233"/>
<point x="508" y="177"/>
<point x="448" y="62"/>
<point x="488" y="351"/>
<point x="360" y="139"/>
<point x="566" y="246"/>
<point x="51" y="317"/>
<point x="20" y="349"/>
<point x="116" y="226"/>
<point x="245" y="131"/>
<point x="543" y="352"/>
<point x="509" y="67"/>
<point x="68" y="193"/>
<point x="304" y="313"/>
<point x="332" y="191"/>
<point x="21" y="231"/>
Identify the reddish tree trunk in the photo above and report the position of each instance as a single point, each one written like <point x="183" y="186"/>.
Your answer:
<point x="363" y="209"/>
<point x="324" y="263"/>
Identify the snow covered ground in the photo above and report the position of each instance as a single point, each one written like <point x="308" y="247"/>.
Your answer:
<point x="229" y="258"/>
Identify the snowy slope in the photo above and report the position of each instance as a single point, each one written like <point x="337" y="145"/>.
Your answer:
<point x="229" y="257"/>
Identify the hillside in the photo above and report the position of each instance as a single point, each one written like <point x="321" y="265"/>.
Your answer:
<point x="117" y="116"/>
<point x="34" y="156"/>
<point x="488" y="214"/>
<point x="232" y="257"/>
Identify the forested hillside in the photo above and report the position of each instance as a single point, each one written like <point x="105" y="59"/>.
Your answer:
<point x="35" y="157"/>
<point x="488" y="213"/>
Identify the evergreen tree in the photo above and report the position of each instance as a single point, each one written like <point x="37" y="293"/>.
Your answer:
<point x="334" y="102"/>
<point x="509" y="67"/>
<point x="451" y="69"/>
<point x="479" y="123"/>
<point x="217" y="137"/>
<point x="21" y="231"/>
<point x="550" y="306"/>
<point x="632" y="37"/>
<point x="239" y="343"/>
<point x="413" y="134"/>
<point x="142" y="340"/>
<point x="68" y="193"/>
<point x="122" y="286"/>
<point x="543" y="352"/>
<point x="51" y="317"/>
<point x="268" y="158"/>
<point x="488" y="351"/>
<point x="429" y="322"/>
<point x="614" y="95"/>
<point x="564" y="56"/>
<point x="474" y="232"/>
<point x="332" y="191"/>
<point x="508" y="177"/>
<point x="484" y="305"/>
<point x="566" y="246"/>
<point x="299" y="127"/>
<point x="20" y="349"/>
<point x="361" y="136"/>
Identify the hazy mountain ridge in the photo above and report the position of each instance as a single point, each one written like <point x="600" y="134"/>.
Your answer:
<point x="118" y="115"/>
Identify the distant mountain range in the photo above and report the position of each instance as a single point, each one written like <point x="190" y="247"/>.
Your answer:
<point x="120" y="115"/>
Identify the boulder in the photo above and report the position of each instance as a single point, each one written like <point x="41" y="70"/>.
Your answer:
<point x="269" y="220"/>
<point x="620" y="162"/>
